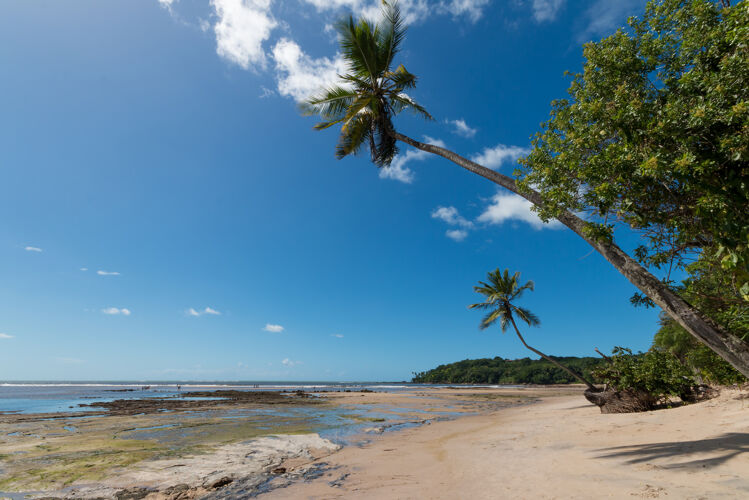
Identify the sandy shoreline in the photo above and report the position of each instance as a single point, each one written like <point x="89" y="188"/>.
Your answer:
<point x="561" y="447"/>
<point x="511" y="443"/>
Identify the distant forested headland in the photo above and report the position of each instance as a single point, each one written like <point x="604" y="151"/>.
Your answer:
<point x="507" y="371"/>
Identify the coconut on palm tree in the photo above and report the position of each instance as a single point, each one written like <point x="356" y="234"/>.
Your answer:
<point x="374" y="91"/>
<point x="501" y="290"/>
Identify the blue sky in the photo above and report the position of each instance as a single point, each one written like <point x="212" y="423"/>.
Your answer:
<point x="168" y="214"/>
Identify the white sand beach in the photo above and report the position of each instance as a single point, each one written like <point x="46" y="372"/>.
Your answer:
<point x="561" y="447"/>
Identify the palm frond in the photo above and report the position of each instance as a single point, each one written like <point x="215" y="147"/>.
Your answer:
<point x="386" y="147"/>
<point x="400" y="79"/>
<point x="392" y="35"/>
<point x="359" y="47"/>
<point x="482" y="305"/>
<point x="355" y="133"/>
<point x="331" y="104"/>
<point x="490" y="318"/>
<point x="529" y="285"/>
<point x="400" y="101"/>
<point x="527" y="316"/>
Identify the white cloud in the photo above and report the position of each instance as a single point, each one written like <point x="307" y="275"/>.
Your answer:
<point x="472" y="8"/>
<point x="337" y="335"/>
<point x="5" y="336"/>
<point x="242" y="27"/>
<point x="547" y="10"/>
<point x="508" y="207"/>
<point x="462" y="128"/>
<point x="451" y="216"/>
<point x="208" y="310"/>
<point x="32" y="249"/>
<point x="301" y="76"/>
<point x="397" y="169"/>
<point x="107" y="273"/>
<point x="116" y="311"/>
<point x="167" y="4"/>
<point x="494" y="157"/>
<point x="605" y="16"/>
<point x="456" y="234"/>
<point x="412" y="10"/>
<point x="273" y="328"/>
<point x="288" y="362"/>
<point x="84" y="269"/>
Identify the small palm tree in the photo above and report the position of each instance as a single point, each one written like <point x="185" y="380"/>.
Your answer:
<point x="501" y="291"/>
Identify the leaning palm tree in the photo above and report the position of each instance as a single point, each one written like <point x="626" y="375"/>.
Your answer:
<point x="501" y="291"/>
<point x="372" y="93"/>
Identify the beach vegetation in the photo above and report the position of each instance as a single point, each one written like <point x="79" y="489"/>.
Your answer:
<point x="653" y="139"/>
<point x="655" y="376"/>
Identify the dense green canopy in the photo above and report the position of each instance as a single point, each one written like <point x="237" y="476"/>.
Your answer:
<point x="508" y="371"/>
<point x="655" y="134"/>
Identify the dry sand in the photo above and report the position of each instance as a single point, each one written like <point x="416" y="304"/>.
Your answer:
<point x="561" y="447"/>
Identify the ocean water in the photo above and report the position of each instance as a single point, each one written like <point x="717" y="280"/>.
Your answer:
<point x="52" y="397"/>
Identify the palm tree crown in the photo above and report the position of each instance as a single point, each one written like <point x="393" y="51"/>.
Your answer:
<point x="371" y="92"/>
<point x="500" y="292"/>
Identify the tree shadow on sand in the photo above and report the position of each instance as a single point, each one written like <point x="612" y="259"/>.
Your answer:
<point x="724" y="448"/>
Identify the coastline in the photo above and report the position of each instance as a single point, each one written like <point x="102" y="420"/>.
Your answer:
<point x="463" y="442"/>
<point x="210" y="442"/>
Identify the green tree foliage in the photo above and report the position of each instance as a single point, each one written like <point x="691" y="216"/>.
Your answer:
<point x="714" y="290"/>
<point x="655" y="135"/>
<point x="508" y="371"/>
<point x="657" y="373"/>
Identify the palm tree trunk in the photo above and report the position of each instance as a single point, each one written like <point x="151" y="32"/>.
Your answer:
<point x="729" y="347"/>
<point x="579" y="377"/>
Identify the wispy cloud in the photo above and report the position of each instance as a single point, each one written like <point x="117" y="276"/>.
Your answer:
<point x="451" y="216"/>
<point x="106" y="273"/>
<point x="288" y="362"/>
<point x="207" y="310"/>
<point x="494" y="157"/>
<point x="462" y="128"/>
<point x="547" y="10"/>
<point x="337" y="335"/>
<point x="273" y="328"/>
<point x="413" y="10"/>
<point x="6" y="336"/>
<point x="242" y="28"/>
<point x="398" y="170"/>
<point x="603" y="17"/>
<point x="33" y="249"/>
<point x="456" y="234"/>
<point x="116" y="310"/>
<point x="300" y="76"/>
<point x="84" y="269"/>
<point x="506" y="207"/>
